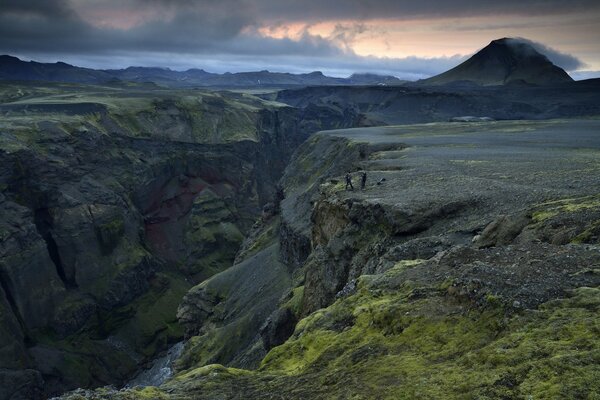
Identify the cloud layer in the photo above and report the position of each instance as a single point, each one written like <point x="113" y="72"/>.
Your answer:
<point x="233" y="35"/>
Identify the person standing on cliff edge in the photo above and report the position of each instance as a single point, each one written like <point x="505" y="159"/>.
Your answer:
<point x="363" y="180"/>
<point x="349" y="181"/>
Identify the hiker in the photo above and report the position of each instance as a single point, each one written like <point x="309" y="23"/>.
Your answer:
<point x="349" y="181"/>
<point x="363" y="180"/>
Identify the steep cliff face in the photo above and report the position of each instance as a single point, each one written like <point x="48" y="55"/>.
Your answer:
<point x="111" y="212"/>
<point x="237" y="316"/>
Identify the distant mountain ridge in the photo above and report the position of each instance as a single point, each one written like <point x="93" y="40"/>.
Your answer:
<point x="504" y="61"/>
<point x="12" y="68"/>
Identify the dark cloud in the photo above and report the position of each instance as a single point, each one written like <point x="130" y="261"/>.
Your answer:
<point x="563" y="60"/>
<point x="206" y="31"/>
<point x="49" y="8"/>
<point x="363" y="9"/>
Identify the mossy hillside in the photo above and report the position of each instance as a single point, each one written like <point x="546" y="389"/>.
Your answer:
<point x="216" y="119"/>
<point x="181" y="115"/>
<point x="552" y="208"/>
<point x="212" y="236"/>
<point x="80" y="361"/>
<point x="294" y="304"/>
<point x="263" y="234"/>
<point x="329" y="337"/>
<point x="215" y="346"/>
<point x="200" y="117"/>
<point x="103" y="393"/>
<point x="228" y="310"/>
<point x="573" y="220"/>
<point x="149" y="323"/>
<point x="409" y="343"/>
<point x="128" y="256"/>
<point x="389" y="346"/>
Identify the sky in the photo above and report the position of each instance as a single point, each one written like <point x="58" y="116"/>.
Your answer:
<point x="410" y="39"/>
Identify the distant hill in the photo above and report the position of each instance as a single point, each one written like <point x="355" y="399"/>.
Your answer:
<point x="12" y="68"/>
<point x="504" y="61"/>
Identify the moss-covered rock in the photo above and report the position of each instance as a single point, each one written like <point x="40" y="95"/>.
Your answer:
<point x="410" y="343"/>
<point x="225" y="313"/>
<point x="571" y="220"/>
<point x="212" y="236"/>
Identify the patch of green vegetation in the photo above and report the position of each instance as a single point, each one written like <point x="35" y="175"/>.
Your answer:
<point x="294" y="304"/>
<point x="540" y="216"/>
<point x="551" y="209"/>
<point x="405" y="264"/>
<point x="390" y="320"/>
<point x="148" y="392"/>
<point x="210" y="369"/>
<point x="394" y="345"/>
<point x="129" y="255"/>
<point x="149" y="323"/>
<point x="588" y="235"/>
<point x="212" y="235"/>
<point x="575" y="204"/>
<point x="398" y="347"/>
<point x="215" y="346"/>
<point x="109" y="234"/>
<point x="265" y="239"/>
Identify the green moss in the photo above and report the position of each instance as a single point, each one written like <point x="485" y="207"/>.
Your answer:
<point x="211" y="369"/>
<point x="405" y="264"/>
<point x="388" y="320"/>
<point x="552" y="208"/>
<point x="215" y="118"/>
<point x="391" y="344"/>
<point x="149" y="393"/>
<point x="215" y="345"/>
<point x="588" y="235"/>
<point x="149" y="323"/>
<point x="265" y="238"/>
<point x="403" y="348"/>
<point x="109" y="234"/>
<point x="213" y="236"/>
<point x="130" y="255"/>
<point x="295" y="302"/>
<point x="86" y="362"/>
<point x="540" y="216"/>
